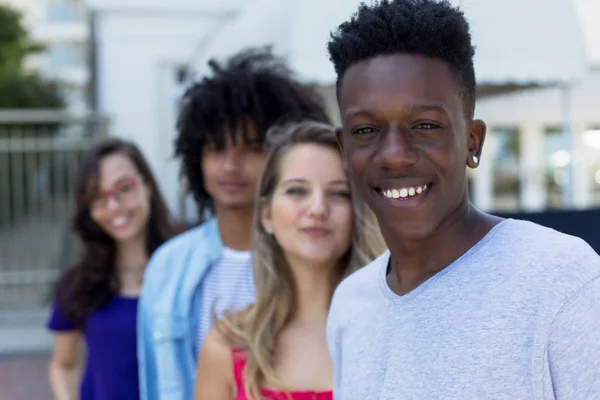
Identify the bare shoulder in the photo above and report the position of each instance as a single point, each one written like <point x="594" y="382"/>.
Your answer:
<point x="214" y="375"/>
<point x="215" y="349"/>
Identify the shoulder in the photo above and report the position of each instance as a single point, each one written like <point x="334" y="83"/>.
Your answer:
<point x="216" y="356"/>
<point x="188" y="240"/>
<point x="58" y="321"/>
<point x="546" y="247"/>
<point x="360" y="286"/>
<point x="179" y="248"/>
<point x="365" y="277"/>
<point x="215" y="347"/>
<point x="531" y="233"/>
<point x="546" y="258"/>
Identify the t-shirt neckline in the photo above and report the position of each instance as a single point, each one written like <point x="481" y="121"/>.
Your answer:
<point x="390" y="295"/>
<point x="242" y="255"/>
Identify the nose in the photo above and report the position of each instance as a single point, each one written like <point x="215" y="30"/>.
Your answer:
<point x="232" y="158"/>
<point x="396" y="149"/>
<point x="112" y="203"/>
<point x="318" y="208"/>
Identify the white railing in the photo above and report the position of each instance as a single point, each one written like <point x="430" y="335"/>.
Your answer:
<point x="39" y="153"/>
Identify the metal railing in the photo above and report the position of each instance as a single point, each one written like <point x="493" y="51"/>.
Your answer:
<point x="39" y="153"/>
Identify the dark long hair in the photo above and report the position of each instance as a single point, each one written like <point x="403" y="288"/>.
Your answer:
<point x="92" y="281"/>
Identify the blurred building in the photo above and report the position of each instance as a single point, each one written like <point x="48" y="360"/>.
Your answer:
<point x="62" y="26"/>
<point x="544" y="143"/>
<point x="537" y="82"/>
<point x="143" y="50"/>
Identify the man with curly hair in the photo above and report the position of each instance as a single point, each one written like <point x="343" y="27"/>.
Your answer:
<point x="222" y="126"/>
<point x="464" y="305"/>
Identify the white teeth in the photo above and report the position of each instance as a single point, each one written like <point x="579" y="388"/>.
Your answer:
<point x="119" y="221"/>
<point x="403" y="193"/>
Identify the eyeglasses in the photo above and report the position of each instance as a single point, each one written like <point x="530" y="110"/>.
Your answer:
<point x="122" y="192"/>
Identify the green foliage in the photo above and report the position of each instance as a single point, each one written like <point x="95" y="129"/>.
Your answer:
<point x="20" y="88"/>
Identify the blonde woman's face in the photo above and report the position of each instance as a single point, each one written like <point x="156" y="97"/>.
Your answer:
<point x="310" y="213"/>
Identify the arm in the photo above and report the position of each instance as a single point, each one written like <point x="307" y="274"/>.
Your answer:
<point x="334" y="347"/>
<point x="214" y="375"/>
<point x="145" y="340"/>
<point x="65" y="366"/>
<point x="573" y="349"/>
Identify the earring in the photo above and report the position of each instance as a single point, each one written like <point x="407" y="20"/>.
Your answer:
<point x="269" y="230"/>
<point x="475" y="159"/>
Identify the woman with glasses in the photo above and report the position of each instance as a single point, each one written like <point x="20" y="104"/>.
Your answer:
<point x="120" y="219"/>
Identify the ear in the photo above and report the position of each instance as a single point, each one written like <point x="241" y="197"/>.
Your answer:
<point x="477" y="131"/>
<point x="339" y="134"/>
<point x="265" y="215"/>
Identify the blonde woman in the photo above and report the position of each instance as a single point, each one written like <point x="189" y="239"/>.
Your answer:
<point x="309" y="233"/>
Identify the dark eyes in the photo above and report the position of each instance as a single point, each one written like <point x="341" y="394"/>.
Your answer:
<point x="344" y="194"/>
<point x="214" y="148"/>
<point x="296" y="191"/>
<point x="422" y="126"/>
<point x="364" y="131"/>
<point x="126" y="188"/>
<point x="256" y="147"/>
<point x="426" y="126"/>
<point x="301" y="192"/>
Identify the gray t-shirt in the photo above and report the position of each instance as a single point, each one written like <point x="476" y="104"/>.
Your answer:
<point x="517" y="317"/>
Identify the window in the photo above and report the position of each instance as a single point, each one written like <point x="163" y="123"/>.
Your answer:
<point x="506" y="154"/>
<point x="66" y="55"/>
<point x="591" y="140"/>
<point x="556" y="162"/>
<point x="64" y="11"/>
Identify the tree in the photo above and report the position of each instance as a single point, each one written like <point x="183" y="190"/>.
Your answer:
<point x="20" y="88"/>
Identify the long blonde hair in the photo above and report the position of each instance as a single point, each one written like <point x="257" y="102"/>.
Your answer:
<point x="256" y="329"/>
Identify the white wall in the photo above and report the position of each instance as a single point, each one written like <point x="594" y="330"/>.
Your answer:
<point x="543" y="106"/>
<point x="140" y="46"/>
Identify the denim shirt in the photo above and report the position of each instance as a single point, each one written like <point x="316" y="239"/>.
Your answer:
<point x="167" y="318"/>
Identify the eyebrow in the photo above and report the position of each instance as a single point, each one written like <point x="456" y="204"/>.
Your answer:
<point x="124" y="178"/>
<point x="222" y="143"/>
<point x="300" y="180"/>
<point x="117" y="182"/>
<point x="407" y="109"/>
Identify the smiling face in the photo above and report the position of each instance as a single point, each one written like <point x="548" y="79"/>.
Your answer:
<point x="310" y="211"/>
<point x="121" y="206"/>
<point x="407" y="141"/>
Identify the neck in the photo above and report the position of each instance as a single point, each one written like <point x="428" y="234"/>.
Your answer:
<point x="235" y="227"/>
<point x="413" y="261"/>
<point x="132" y="255"/>
<point x="313" y="292"/>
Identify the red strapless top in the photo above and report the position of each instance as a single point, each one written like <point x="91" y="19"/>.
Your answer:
<point x="239" y="363"/>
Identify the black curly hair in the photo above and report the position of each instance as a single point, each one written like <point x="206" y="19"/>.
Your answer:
<point x="429" y="28"/>
<point x="254" y="86"/>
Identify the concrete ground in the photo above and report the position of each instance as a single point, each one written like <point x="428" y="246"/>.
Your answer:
<point x="25" y="347"/>
<point x="24" y="377"/>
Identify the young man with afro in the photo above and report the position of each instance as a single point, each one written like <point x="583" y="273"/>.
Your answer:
<point x="222" y="126"/>
<point x="464" y="305"/>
